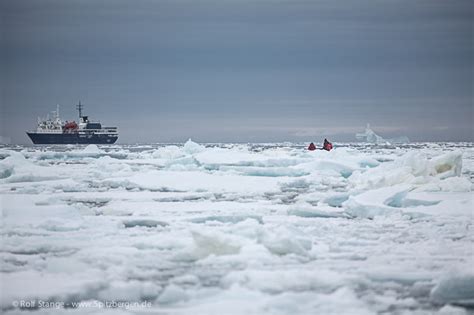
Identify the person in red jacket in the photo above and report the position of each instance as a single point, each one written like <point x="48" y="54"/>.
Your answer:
<point x="327" y="145"/>
<point x="312" y="147"/>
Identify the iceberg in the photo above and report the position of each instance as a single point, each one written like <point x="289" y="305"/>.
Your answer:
<point x="371" y="137"/>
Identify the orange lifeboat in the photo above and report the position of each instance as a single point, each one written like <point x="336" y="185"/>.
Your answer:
<point x="70" y="126"/>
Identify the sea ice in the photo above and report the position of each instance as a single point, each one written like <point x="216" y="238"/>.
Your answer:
<point x="238" y="229"/>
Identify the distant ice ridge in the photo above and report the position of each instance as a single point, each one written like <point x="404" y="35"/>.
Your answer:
<point x="371" y="137"/>
<point x="204" y="229"/>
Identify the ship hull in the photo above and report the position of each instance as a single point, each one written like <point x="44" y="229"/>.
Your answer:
<point x="71" y="138"/>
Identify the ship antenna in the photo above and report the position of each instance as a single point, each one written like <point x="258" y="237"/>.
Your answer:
<point x="79" y="108"/>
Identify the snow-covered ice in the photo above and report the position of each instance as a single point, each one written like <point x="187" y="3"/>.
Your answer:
<point x="237" y="229"/>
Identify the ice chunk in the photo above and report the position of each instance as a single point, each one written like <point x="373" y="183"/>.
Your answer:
<point x="107" y="165"/>
<point x="452" y="310"/>
<point x="143" y="223"/>
<point x="447" y="165"/>
<point x="400" y="200"/>
<point x="411" y="168"/>
<point x="312" y="212"/>
<point x="455" y="289"/>
<point x="168" y="152"/>
<point x="454" y="204"/>
<point x="336" y="200"/>
<point x="5" y="171"/>
<point x="191" y="147"/>
<point x="16" y="169"/>
<point x="172" y="294"/>
<point x="298" y="185"/>
<point x="215" y="243"/>
<point x="374" y="202"/>
<point x="92" y="149"/>
<point x="342" y="168"/>
<point x="286" y="240"/>
<point x="187" y="163"/>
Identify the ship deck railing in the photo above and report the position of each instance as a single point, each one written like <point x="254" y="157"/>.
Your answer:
<point x="106" y="130"/>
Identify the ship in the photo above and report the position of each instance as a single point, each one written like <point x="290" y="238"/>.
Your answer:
<point x="52" y="130"/>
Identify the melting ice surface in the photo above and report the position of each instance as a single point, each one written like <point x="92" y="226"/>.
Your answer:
<point x="238" y="229"/>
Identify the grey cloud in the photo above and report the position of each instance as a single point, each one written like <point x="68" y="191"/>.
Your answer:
<point x="296" y="63"/>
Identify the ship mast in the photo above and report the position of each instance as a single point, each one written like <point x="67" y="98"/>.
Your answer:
<point x="79" y="107"/>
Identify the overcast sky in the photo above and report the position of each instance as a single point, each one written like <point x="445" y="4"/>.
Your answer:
<point x="238" y="70"/>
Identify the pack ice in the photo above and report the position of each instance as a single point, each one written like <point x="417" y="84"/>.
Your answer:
<point x="237" y="229"/>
